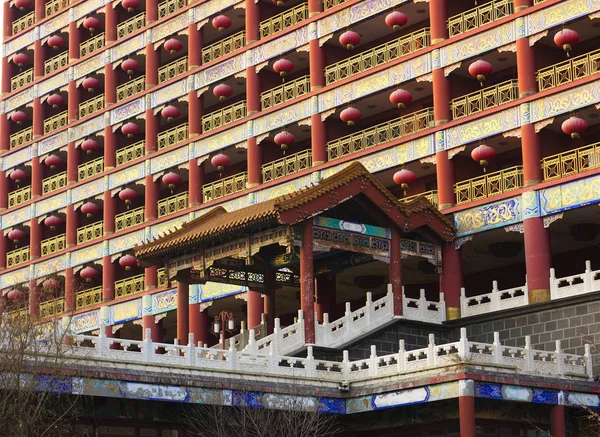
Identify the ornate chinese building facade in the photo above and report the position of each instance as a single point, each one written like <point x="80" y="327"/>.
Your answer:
<point x="331" y="180"/>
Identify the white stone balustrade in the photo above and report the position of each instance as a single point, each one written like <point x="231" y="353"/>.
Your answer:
<point x="587" y="282"/>
<point x="423" y="310"/>
<point x="516" y="360"/>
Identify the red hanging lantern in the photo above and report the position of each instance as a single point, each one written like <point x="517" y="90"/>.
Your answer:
<point x="51" y="284"/>
<point x="396" y="20"/>
<point x="220" y="161"/>
<point x="18" y="176"/>
<point x="349" y="39"/>
<point x="53" y="222"/>
<point x="90" y="83"/>
<point x="284" y="139"/>
<point x="52" y="161"/>
<point x="128" y="195"/>
<point x="20" y="59"/>
<point x="222" y="91"/>
<point x="130" y="129"/>
<point x="283" y="67"/>
<point x="404" y="178"/>
<point x="130" y="66"/>
<point x="171" y="179"/>
<point x="481" y="70"/>
<point x="23" y="4"/>
<point x="400" y="98"/>
<point x="16" y="235"/>
<point x="89" y="273"/>
<point x="566" y="39"/>
<point x="173" y="45"/>
<point x="15" y="294"/>
<point x="89" y="146"/>
<point x="89" y="209"/>
<point x="55" y="100"/>
<point x="483" y="154"/>
<point x="128" y="261"/>
<point x="221" y="22"/>
<point x="19" y="117"/>
<point x="130" y="5"/>
<point x="56" y="41"/>
<point x="170" y="113"/>
<point x="91" y="24"/>
<point x="574" y="126"/>
<point x="351" y="116"/>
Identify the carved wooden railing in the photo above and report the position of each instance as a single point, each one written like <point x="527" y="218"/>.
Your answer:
<point x="170" y="6"/>
<point x="21" y="137"/>
<point x="55" y="182"/>
<point x="17" y="256"/>
<point x="53" y="6"/>
<point x="90" y="232"/>
<point x="284" y="20"/>
<point x="56" y="122"/>
<point x="130" y="153"/>
<point x="173" y="204"/>
<point x="224" y="47"/>
<point x="129" y="219"/>
<point x="92" y="105"/>
<point x="19" y="196"/>
<point x="571" y="162"/>
<point x="569" y="70"/>
<point x="224" y="187"/>
<point x="485" y="99"/>
<point x="129" y="286"/>
<point x="172" y="69"/>
<point x="90" y="168"/>
<point x="131" y="88"/>
<point x="476" y="17"/>
<point x="56" y="62"/>
<point x="131" y="25"/>
<point x="224" y="116"/>
<point x="86" y="298"/>
<point x="283" y="93"/>
<point x="287" y="165"/>
<point x="91" y="45"/>
<point x="53" y="244"/>
<point x="173" y="136"/>
<point x="21" y="79"/>
<point x="52" y="307"/>
<point x="23" y="22"/>
<point x="490" y="184"/>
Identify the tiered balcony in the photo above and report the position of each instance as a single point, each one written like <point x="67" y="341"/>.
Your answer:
<point x="131" y="25"/>
<point x="52" y="307"/>
<point x="224" y="187"/>
<point x="283" y="93"/>
<point x="569" y="70"/>
<point x="488" y="185"/>
<point x="131" y="88"/>
<point x="571" y="162"/>
<point x="173" y="204"/>
<point x="284" y="20"/>
<point x="90" y="232"/>
<point x="479" y="16"/>
<point x="90" y="106"/>
<point x="224" y="116"/>
<point x="56" y="122"/>
<point x="172" y="69"/>
<point x="432" y="196"/>
<point x="21" y="79"/>
<point x="287" y="165"/>
<point x="87" y="298"/>
<point x="223" y="47"/>
<point x="23" y="23"/>
<point x="173" y="136"/>
<point x="130" y="153"/>
<point x="55" y="182"/>
<point x="53" y="6"/>
<point x="485" y="99"/>
<point x="56" y="62"/>
<point x="17" y="256"/>
<point x="54" y="244"/>
<point x="21" y="137"/>
<point x="169" y="6"/>
<point x="91" y="45"/>
<point x="377" y="56"/>
<point x="379" y="134"/>
<point x="19" y="196"/>
<point x="161" y="278"/>
<point x="129" y="286"/>
<point x="129" y="219"/>
<point x="90" y="168"/>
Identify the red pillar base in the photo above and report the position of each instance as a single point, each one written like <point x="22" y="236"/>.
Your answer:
<point x="538" y="259"/>
<point x="255" y="308"/>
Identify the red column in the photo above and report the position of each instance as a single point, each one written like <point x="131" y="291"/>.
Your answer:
<point x="307" y="282"/>
<point x="8" y="19"/>
<point x="40" y="10"/>
<point x="3" y="249"/>
<point x="253" y="90"/>
<point x="110" y="23"/>
<point x="108" y="279"/>
<point x="70" y="289"/>
<point x="269" y="310"/>
<point x="195" y="181"/>
<point x="558" y="428"/>
<point x="255" y="161"/>
<point x="252" y="21"/>
<point x="74" y="40"/>
<point x="3" y="190"/>
<point x="4" y="132"/>
<point x="317" y="58"/>
<point x="195" y="113"/>
<point x="255" y="308"/>
<point x="38" y="118"/>
<point x="156" y="329"/>
<point x="314" y="7"/>
<point x="538" y="259"/>
<point x="152" y="64"/>
<point x="150" y="277"/>
<point x="36" y="177"/>
<point x="183" y="296"/>
<point x="325" y="297"/>
<point x="151" y="11"/>
<point x="35" y="238"/>
<point x="110" y="85"/>
<point x="452" y="279"/>
<point x="34" y="300"/>
<point x="151" y="198"/>
<point x="110" y="148"/>
<point x="73" y="101"/>
<point x="152" y="126"/>
<point x="438" y="14"/>
<point x="38" y="59"/>
<point x="318" y="132"/>
<point x="466" y="411"/>
<point x="255" y="156"/>
<point x="109" y="212"/>
<point x="195" y="43"/>
<point x="71" y="226"/>
<point x="396" y="270"/>
<point x="522" y="4"/>
<point x="72" y="163"/>
<point x="199" y="324"/>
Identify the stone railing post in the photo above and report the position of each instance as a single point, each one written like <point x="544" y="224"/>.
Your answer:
<point x="373" y="361"/>
<point x="369" y="307"/>
<point x="553" y="285"/>
<point x="422" y="305"/>
<point x="232" y="357"/>
<point x="588" y="362"/>
<point x="587" y="279"/>
<point x="431" y="358"/>
<point x="495" y="296"/>
<point x="401" y="363"/>
<point x="271" y="361"/>
<point x="102" y="347"/>
<point x="191" y="350"/>
<point x="345" y="365"/>
<point x="529" y="358"/>
<point x="310" y="362"/>
<point x="497" y="348"/>
<point x="463" y="345"/>
<point x="147" y="347"/>
<point x="300" y="328"/>
<point x="348" y="317"/>
<point x="252" y="348"/>
<point x="560" y="359"/>
<point x="463" y="302"/>
<point x="442" y="307"/>
<point x="326" y="329"/>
